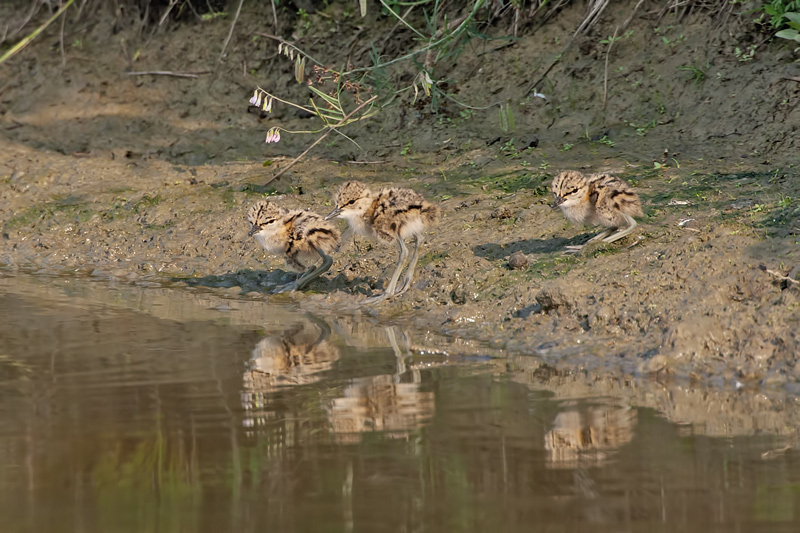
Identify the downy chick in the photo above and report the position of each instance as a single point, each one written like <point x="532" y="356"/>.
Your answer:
<point x="390" y="214"/>
<point x="301" y="237"/>
<point x="598" y="199"/>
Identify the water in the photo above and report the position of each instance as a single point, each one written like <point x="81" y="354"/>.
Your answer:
<point x="136" y="409"/>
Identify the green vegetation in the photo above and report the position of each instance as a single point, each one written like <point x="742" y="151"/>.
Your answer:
<point x="697" y="74"/>
<point x="514" y="181"/>
<point x="70" y="206"/>
<point x="781" y="12"/>
<point x="793" y="31"/>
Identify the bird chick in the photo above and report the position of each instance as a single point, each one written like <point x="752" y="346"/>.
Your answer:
<point x="301" y="237"/>
<point x="599" y="199"/>
<point x="390" y="214"/>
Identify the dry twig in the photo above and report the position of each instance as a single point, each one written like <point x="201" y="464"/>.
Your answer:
<point x="778" y="275"/>
<point x="168" y="73"/>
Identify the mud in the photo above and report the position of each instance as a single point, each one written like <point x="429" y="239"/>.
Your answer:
<point x="146" y="179"/>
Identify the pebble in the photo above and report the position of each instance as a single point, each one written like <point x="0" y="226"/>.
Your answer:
<point x="518" y="261"/>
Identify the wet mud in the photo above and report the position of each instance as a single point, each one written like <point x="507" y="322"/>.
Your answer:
<point x="146" y="180"/>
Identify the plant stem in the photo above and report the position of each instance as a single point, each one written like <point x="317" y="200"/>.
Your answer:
<point x="319" y="140"/>
<point x="401" y="19"/>
<point x="605" y="72"/>
<point x="284" y="41"/>
<point x="296" y="106"/>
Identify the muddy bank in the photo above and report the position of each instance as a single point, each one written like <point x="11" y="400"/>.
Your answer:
<point x="147" y="180"/>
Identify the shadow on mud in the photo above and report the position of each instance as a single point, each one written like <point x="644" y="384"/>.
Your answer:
<point x="268" y="282"/>
<point x="528" y="246"/>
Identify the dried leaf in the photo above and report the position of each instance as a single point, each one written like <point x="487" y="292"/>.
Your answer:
<point x="299" y="68"/>
<point x="503" y="118"/>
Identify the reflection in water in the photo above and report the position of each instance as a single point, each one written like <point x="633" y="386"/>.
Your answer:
<point x="379" y="404"/>
<point x="383" y="402"/>
<point x="113" y="419"/>
<point x="295" y="356"/>
<point x="303" y="353"/>
<point x="585" y="436"/>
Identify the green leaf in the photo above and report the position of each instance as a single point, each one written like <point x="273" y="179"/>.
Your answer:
<point x="331" y="100"/>
<point x="794" y="17"/>
<point x="792" y="35"/>
<point x="326" y="116"/>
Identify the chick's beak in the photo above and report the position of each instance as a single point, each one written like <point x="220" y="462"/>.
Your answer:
<point x="334" y="213"/>
<point x="253" y="231"/>
<point x="558" y="200"/>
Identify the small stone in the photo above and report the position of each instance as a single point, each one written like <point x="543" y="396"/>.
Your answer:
<point x="501" y="213"/>
<point x="518" y="261"/>
<point x="459" y="295"/>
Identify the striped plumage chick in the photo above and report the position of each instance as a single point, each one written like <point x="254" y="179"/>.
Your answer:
<point x="598" y="199"/>
<point x="389" y="214"/>
<point x="301" y="237"/>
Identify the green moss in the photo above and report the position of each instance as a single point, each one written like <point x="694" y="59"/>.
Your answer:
<point x="259" y="190"/>
<point x="66" y="206"/>
<point x="228" y="197"/>
<point x="432" y="257"/>
<point x="553" y="266"/>
<point x="28" y="216"/>
<point x="514" y="181"/>
<point x="160" y="227"/>
<point x="146" y="201"/>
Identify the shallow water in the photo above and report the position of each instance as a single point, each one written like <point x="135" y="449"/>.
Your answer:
<point x="151" y="409"/>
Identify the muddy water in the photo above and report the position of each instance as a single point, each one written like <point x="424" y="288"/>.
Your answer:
<point x="148" y="409"/>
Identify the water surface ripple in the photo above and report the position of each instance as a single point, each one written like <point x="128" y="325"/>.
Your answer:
<point x="143" y="409"/>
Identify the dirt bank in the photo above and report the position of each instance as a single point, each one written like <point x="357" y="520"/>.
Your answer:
<point x="147" y="179"/>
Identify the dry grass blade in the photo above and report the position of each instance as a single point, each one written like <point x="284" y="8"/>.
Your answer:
<point x="591" y="18"/>
<point x="594" y="14"/>
<point x="605" y="70"/>
<point x="30" y="37"/>
<point x="230" y="34"/>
